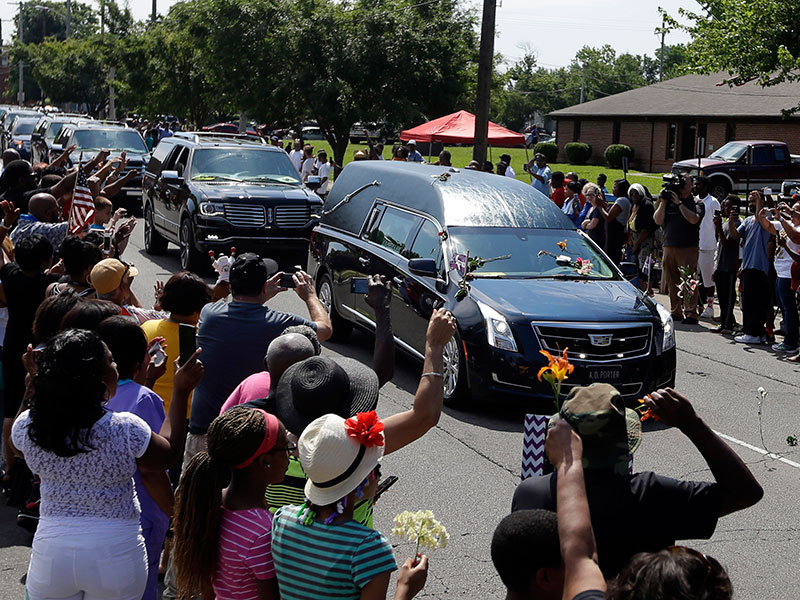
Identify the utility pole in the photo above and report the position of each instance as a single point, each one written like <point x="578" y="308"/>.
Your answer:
<point x="21" y="90"/>
<point x="485" y="64"/>
<point x="112" y="108"/>
<point x="661" y="53"/>
<point x="583" y="82"/>
<point x="155" y="12"/>
<point x="44" y="24"/>
<point x="69" y="19"/>
<point x="102" y="17"/>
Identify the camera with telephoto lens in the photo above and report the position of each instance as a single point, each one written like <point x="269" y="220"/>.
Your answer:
<point x="671" y="182"/>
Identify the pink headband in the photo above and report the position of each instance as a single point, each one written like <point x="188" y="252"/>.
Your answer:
<point x="270" y="437"/>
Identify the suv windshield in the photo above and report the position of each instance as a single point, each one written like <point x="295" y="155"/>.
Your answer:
<point x="243" y="164"/>
<point x="115" y="140"/>
<point x="24" y="128"/>
<point x="520" y="252"/>
<point x="730" y="152"/>
<point x="53" y="129"/>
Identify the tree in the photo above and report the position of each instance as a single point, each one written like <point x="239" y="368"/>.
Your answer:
<point x="749" y="40"/>
<point x="52" y="21"/>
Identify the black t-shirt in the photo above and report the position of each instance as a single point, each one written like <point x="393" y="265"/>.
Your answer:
<point x="21" y="200"/>
<point x="678" y="232"/>
<point x="643" y="512"/>
<point x="24" y="294"/>
<point x="644" y="216"/>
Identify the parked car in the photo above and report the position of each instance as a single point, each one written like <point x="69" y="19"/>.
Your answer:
<point x="45" y="132"/>
<point x="741" y="166"/>
<point x="229" y="128"/>
<point x="416" y="226"/>
<point x="18" y="135"/>
<point x="212" y="192"/>
<point x="312" y="133"/>
<point x="90" y="137"/>
<point x="359" y="132"/>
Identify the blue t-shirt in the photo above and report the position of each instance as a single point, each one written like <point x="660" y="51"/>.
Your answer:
<point x="146" y="404"/>
<point x="234" y="337"/>
<point x="542" y="186"/>
<point x="415" y="156"/>
<point x="754" y="246"/>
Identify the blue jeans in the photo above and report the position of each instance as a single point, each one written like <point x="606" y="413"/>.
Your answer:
<point x="788" y="306"/>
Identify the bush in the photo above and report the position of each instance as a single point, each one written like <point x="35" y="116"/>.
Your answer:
<point x="549" y="149"/>
<point x="577" y="153"/>
<point x="614" y="154"/>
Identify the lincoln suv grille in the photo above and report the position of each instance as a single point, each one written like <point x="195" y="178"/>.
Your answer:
<point x="245" y="215"/>
<point x="292" y="217"/>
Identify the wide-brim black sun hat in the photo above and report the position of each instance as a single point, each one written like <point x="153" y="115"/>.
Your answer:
<point x="318" y="386"/>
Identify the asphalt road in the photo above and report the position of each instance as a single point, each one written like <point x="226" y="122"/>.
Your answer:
<point x="466" y="469"/>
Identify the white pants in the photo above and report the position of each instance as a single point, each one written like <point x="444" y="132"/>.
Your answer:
<point x="90" y="563"/>
<point x="705" y="264"/>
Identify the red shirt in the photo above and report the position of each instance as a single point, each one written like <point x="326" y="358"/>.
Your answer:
<point x="558" y="196"/>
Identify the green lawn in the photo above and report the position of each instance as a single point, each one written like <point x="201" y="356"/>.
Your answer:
<point x="461" y="155"/>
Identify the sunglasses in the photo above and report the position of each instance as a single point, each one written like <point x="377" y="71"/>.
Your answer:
<point x="710" y="563"/>
<point x="376" y="472"/>
<point x="292" y="447"/>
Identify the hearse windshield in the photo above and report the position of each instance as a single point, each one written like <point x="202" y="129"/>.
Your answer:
<point x="526" y="253"/>
<point x="240" y="164"/>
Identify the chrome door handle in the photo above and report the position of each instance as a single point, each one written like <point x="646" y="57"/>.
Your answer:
<point x="397" y="281"/>
<point x="363" y="261"/>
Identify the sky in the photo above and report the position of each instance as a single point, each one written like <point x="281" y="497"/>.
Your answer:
<point x="553" y="29"/>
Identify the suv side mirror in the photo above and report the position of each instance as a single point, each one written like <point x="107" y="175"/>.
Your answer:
<point x="171" y="178"/>
<point x="424" y="267"/>
<point x="629" y="270"/>
<point x="36" y="137"/>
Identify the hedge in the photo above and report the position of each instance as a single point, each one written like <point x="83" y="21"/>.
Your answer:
<point x="577" y="152"/>
<point x="614" y="154"/>
<point x="549" y="149"/>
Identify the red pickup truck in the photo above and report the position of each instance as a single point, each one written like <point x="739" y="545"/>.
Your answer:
<point x="741" y="166"/>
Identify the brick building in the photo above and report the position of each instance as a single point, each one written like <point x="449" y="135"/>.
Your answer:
<point x="671" y="120"/>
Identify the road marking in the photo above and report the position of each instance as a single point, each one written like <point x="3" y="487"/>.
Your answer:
<point x="761" y="451"/>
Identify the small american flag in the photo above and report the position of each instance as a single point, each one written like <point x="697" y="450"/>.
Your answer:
<point x="81" y="213"/>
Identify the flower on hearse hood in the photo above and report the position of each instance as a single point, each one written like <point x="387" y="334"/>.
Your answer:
<point x="365" y="427"/>
<point x="562" y="244"/>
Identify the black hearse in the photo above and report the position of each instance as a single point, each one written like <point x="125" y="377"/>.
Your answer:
<point x="416" y="224"/>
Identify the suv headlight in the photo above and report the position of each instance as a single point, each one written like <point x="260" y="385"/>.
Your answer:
<point x="212" y="209"/>
<point x="669" y="328"/>
<point x="498" y="332"/>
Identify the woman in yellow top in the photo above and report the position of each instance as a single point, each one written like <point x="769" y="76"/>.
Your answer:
<point x="184" y="296"/>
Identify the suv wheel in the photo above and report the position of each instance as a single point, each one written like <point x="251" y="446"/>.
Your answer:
<point x="455" y="393"/>
<point x="190" y="257"/>
<point x="153" y="242"/>
<point x="341" y="328"/>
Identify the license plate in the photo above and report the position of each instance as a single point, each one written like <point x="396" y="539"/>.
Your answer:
<point x="612" y="374"/>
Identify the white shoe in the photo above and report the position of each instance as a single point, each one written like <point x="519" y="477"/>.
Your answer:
<point x="708" y="313"/>
<point x="748" y="339"/>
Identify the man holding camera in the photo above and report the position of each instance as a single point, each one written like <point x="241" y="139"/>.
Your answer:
<point x="680" y="214"/>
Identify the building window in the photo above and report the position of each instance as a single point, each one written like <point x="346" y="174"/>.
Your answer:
<point x="576" y="130"/>
<point x="702" y="132"/>
<point x="615" y="133"/>
<point x="672" y="129"/>
<point x="730" y="132"/>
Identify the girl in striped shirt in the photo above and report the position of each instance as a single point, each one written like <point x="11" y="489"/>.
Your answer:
<point x="223" y="538"/>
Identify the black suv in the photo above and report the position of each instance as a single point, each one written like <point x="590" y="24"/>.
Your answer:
<point x="90" y="137"/>
<point x="209" y="191"/>
<point x="45" y="132"/>
<point x="418" y="224"/>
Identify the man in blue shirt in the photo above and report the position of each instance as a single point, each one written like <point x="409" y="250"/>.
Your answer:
<point x="413" y="153"/>
<point x="755" y="269"/>
<point x="541" y="174"/>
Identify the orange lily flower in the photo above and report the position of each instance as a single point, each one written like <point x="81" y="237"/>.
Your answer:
<point x="558" y="365"/>
<point x="562" y="244"/>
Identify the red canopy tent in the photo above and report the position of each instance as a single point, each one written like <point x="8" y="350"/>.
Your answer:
<point x="459" y="128"/>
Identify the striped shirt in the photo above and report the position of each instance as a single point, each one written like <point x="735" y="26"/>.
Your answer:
<point x="245" y="553"/>
<point x="292" y="490"/>
<point x="326" y="562"/>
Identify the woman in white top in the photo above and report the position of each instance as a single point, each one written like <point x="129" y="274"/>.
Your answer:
<point x="88" y="544"/>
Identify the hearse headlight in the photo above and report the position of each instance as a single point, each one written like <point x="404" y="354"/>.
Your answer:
<point x="668" y="340"/>
<point x="212" y="209"/>
<point x="498" y="332"/>
<point x="316" y="209"/>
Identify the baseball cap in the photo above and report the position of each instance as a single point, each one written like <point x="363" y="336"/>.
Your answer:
<point x="274" y="138"/>
<point x="538" y="155"/>
<point x="249" y="272"/>
<point x="107" y="275"/>
<point x="412" y="143"/>
<point x="610" y="432"/>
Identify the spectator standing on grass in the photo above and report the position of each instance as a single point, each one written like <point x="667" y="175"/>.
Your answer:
<point x="444" y="159"/>
<point x="309" y="163"/>
<point x="680" y="215"/>
<point x="572" y="204"/>
<point x="685" y="509"/>
<point x="558" y="191"/>
<point x="324" y="172"/>
<point x="413" y="153"/>
<point x="616" y="220"/>
<point x="601" y="182"/>
<point x="708" y="243"/>
<point x="755" y="270"/>
<point x="510" y="172"/>
<point x="643" y="233"/>
<point x="296" y="155"/>
<point x="541" y="174"/>
<point x="593" y="223"/>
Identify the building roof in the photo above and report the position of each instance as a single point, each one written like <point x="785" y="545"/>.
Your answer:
<point x="692" y="95"/>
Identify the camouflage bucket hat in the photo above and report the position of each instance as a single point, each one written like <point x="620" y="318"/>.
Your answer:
<point x="609" y="430"/>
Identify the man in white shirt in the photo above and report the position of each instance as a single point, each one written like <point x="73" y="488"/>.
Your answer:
<point x="296" y="155"/>
<point x="309" y="163"/>
<point x="506" y="158"/>
<point x="324" y="172"/>
<point x="708" y="242"/>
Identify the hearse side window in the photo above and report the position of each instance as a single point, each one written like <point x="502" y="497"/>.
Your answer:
<point x="427" y="244"/>
<point x="394" y="229"/>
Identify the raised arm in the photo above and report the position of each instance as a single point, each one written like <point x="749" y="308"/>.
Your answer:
<point x="62" y="158"/>
<point x="112" y="189"/>
<point x="304" y="288"/>
<point x="379" y="297"/>
<point x="581" y="570"/>
<point x="65" y="186"/>
<point x="661" y="208"/>
<point x="10" y="216"/>
<point x="765" y="223"/>
<point x="405" y="427"/>
<point x="740" y="489"/>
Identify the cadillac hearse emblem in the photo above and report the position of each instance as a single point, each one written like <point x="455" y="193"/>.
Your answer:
<point x="602" y="339"/>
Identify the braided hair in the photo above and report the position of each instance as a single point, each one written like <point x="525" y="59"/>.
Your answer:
<point x="233" y="437"/>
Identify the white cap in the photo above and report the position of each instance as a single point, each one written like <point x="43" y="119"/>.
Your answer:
<point x="412" y="143"/>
